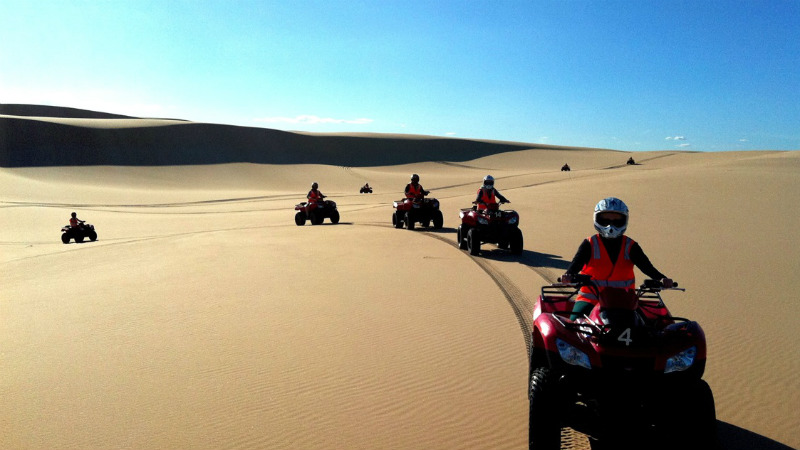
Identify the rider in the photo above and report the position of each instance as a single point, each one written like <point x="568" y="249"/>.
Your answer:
<point x="487" y="194"/>
<point x="314" y="195"/>
<point x="414" y="190"/>
<point x="74" y="222"/>
<point x="609" y="257"/>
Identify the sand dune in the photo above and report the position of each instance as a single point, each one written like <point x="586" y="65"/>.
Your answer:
<point x="204" y="318"/>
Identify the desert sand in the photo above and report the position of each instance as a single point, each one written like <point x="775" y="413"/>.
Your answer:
<point x="203" y="317"/>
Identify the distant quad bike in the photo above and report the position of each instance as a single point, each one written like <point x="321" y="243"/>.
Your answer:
<point x="631" y="162"/>
<point x="365" y="190"/>
<point x="316" y="212"/>
<point x="421" y="210"/>
<point x="79" y="233"/>
<point x="565" y="168"/>
<point x="491" y="225"/>
<point x="628" y="375"/>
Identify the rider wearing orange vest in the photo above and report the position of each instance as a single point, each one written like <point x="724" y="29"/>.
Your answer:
<point x="414" y="189"/>
<point x="74" y="222"/>
<point x="314" y="195"/>
<point x="487" y="193"/>
<point x="609" y="257"/>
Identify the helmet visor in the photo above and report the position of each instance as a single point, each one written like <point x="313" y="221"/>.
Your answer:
<point x="615" y="220"/>
<point x="488" y="182"/>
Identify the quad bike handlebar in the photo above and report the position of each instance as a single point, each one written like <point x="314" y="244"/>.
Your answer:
<point x="581" y="280"/>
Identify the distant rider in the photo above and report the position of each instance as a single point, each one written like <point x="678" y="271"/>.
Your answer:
<point x="487" y="194"/>
<point x="314" y="195"/>
<point x="74" y="222"/>
<point x="609" y="257"/>
<point x="414" y="190"/>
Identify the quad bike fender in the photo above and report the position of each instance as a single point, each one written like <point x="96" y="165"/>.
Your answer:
<point x="402" y="205"/>
<point x="300" y="206"/>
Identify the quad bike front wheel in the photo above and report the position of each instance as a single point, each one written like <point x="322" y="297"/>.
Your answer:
<point x="335" y="217"/>
<point x="93" y="236"/>
<point x="462" y="238"/>
<point x="473" y="242"/>
<point x="396" y="220"/>
<point x="544" y="428"/>
<point x="65" y="238"/>
<point x="300" y="218"/>
<point x="409" y="221"/>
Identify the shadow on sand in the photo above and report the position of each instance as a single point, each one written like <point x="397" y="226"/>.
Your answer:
<point x="734" y="438"/>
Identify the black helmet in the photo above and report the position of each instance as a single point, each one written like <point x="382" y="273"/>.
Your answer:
<point x="74" y="215"/>
<point x="414" y="178"/>
<point x="314" y="185"/>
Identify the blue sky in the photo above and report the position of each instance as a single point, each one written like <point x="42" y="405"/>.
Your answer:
<point x="628" y="75"/>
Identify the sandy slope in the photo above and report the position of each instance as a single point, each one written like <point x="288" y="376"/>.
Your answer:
<point x="204" y="318"/>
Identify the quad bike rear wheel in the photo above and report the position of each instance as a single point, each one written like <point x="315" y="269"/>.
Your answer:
<point x="438" y="219"/>
<point x="516" y="242"/>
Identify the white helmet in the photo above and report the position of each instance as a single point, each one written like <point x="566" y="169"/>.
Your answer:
<point x="615" y="228"/>
<point x="488" y="181"/>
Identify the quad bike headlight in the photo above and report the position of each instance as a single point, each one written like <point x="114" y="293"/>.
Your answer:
<point x="572" y="355"/>
<point x="394" y="204"/>
<point x="681" y="361"/>
<point x="513" y="220"/>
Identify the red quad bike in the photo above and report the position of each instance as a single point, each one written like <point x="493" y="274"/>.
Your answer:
<point x="78" y="233"/>
<point x="628" y="375"/>
<point x="491" y="225"/>
<point x="423" y="210"/>
<point x="316" y="212"/>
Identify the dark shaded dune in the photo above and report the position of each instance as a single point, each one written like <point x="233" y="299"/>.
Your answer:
<point x="55" y="111"/>
<point x="36" y="143"/>
<point x="86" y="138"/>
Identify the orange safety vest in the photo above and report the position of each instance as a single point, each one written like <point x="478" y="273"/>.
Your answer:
<point x="314" y="196"/>
<point x="73" y="222"/>
<point x="604" y="273"/>
<point x="486" y="198"/>
<point x="414" y="192"/>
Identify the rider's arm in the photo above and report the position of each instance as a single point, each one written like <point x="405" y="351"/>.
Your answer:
<point x="581" y="257"/>
<point x="478" y="198"/>
<point x="500" y="196"/>
<point x="643" y="263"/>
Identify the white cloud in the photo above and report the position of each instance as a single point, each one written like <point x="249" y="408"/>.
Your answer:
<point x="683" y="145"/>
<point x="675" y="138"/>
<point x="742" y="140"/>
<point x="312" y="120"/>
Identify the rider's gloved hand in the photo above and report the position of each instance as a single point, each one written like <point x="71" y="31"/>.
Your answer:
<point x="667" y="283"/>
<point x="566" y="278"/>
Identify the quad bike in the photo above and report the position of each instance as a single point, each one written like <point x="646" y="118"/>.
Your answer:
<point x="79" y="233"/>
<point x="316" y="212"/>
<point x="409" y="211"/>
<point x="627" y="375"/>
<point x="491" y="225"/>
<point x="565" y="168"/>
<point x="365" y="190"/>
